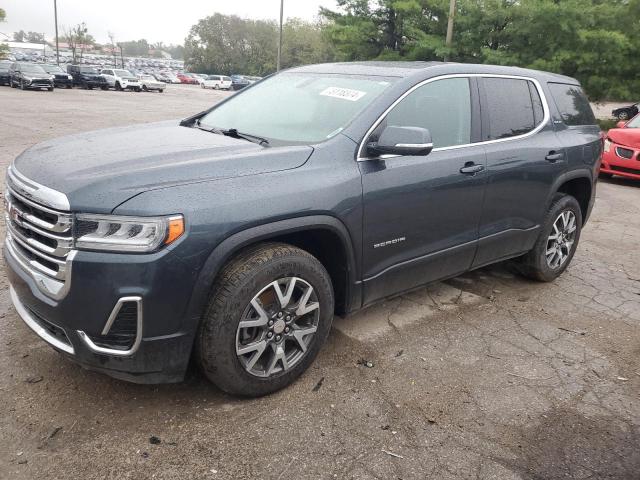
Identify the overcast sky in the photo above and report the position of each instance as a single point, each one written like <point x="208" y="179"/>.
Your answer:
<point x="155" y="20"/>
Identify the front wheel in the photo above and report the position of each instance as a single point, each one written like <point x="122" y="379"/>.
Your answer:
<point x="557" y="243"/>
<point x="270" y="312"/>
<point x="623" y="115"/>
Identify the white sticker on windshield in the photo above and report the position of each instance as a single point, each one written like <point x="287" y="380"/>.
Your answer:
<point x="343" y="93"/>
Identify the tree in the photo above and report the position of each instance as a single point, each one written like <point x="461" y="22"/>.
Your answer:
<point x="78" y="39"/>
<point x="135" y="48"/>
<point x="591" y="40"/>
<point x="229" y="44"/>
<point x="4" y="49"/>
<point x="35" y="37"/>
<point x="19" y="36"/>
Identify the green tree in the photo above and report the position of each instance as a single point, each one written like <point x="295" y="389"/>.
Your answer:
<point x="4" y="48"/>
<point x="35" y="37"/>
<point x="78" y="39"/>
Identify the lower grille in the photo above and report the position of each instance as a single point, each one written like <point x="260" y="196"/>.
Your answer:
<point x="625" y="169"/>
<point x="122" y="334"/>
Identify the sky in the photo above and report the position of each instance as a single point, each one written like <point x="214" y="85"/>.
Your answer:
<point x="168" y="21"/>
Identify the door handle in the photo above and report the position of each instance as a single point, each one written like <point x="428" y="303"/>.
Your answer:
<point x="471" y="168"/>
<point x="554" y="156"/>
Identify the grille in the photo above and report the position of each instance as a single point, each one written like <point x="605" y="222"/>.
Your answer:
<point x="53" y="330"/>
<point x="624" y="152"/>
<point x="123" y="331"/>
<point x="40" y="236"/>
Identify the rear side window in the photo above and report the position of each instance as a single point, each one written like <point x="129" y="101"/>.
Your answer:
<point x="513" y="107"/>
<point x="572" y="104"/>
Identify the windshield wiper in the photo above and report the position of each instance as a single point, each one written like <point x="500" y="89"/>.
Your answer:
<point x="234" y="133"/>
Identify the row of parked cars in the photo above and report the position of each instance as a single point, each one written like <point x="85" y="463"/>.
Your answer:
<point x="27" y="75"/>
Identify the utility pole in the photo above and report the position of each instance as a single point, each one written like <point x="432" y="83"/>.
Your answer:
<point x="121" y="57"/>
<point x="280" y="36"/>
<point x="449" y="40"/>
<point x="44" y="47"/>
<point x="55" y="14"/>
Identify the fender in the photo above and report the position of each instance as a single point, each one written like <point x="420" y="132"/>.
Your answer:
<point x="234" y="243"/>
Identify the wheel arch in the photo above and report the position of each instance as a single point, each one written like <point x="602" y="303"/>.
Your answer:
<point x="578" y="184"/>
<point x="324" y="236"/>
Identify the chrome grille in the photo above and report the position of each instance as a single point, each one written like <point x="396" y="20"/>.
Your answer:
<point x="39" y="237"/>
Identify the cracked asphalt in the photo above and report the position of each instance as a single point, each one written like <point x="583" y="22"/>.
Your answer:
<point x="486" y="376"/>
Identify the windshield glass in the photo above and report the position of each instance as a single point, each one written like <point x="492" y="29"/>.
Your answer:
<point x="4" y="67"/>
<point x="88" y="70"/>
<point x="123" y="73"/>
<point x="297" y="108"/>
<point x="634" y="123"/>
<point x="32" y="68"/>
<point x="52" y="68"/>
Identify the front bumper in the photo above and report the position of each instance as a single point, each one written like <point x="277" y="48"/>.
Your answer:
<point x="99" y="283"/>
<point x="39" y="83"/>
<point x="615" y="161"/>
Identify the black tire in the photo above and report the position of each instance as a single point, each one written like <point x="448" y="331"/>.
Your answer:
<point x="216" y="87"/>
<point x="144" y="88"/>
<point x="22" y="87"/>
<point x="50" y="89"/>
<point x="161" y="90"/>
<point x="534" y="264"/>
<point x="104" y="88"/>
<point x="240" y="281"/>
<point x="623" y="115"/>
<point x="118" y="87"/>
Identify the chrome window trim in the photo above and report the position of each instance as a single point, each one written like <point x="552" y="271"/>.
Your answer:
<point x="37" y="192"/>
<point x="33" y="324"/>
<point x="414" y="145"/>
<point x="545" y="119"/>
<point x="114" y="313"/>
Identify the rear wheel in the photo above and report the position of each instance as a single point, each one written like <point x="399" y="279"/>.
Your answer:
<point x="623" y="115"/>
<point x="269" y="314"/>
<point x="557" y="243"/>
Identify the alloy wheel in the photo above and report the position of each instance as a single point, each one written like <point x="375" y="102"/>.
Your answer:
<point x="561" y="240"/>
<point x="277" y="327"/>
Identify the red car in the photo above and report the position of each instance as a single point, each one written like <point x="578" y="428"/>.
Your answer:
<point x="622" y="150"/>
<point x="184" y="78"/>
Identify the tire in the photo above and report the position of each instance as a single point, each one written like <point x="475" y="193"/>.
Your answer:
<point x="118" y="87"/>
<point x="623" y="115"/>
<point x="22" y="87"/>
<point x="161" y="90"/>
<point x="217" y="87"/>
<point x="536" y="264"/>
<point x="251" y="274"/>
<point x="50" y="89"/>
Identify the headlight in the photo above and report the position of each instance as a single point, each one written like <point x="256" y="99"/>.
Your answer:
<point x="607" y="145"/>
<point x="126" y="234"/>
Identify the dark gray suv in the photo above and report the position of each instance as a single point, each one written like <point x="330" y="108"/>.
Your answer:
<point x="234" y="236"/>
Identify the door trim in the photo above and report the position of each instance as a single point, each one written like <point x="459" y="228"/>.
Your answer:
<point x="360" y="157"/>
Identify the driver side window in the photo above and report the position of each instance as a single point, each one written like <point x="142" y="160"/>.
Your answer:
<point x="442" y="106"/>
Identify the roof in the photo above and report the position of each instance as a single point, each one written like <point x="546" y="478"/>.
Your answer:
<point x="419" y="69"/>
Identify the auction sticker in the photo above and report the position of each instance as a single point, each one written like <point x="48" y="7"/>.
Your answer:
<point x="343" y="93"/>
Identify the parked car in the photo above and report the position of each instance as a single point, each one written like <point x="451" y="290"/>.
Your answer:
<point x="121" y="79"/>
<point x="625" y="113"/>
<point x="199" y="77"/>
<point x="236" y="234"/>
<point x="253" y="80"/>
<point x="5" y="77"/>
<point x="622" y="150"/>
<point x="149" y="83"/>
<point x="238" y="82"/>
<point x="186" y="78"/>
<point x="86" y="77"/>
<point x="26" y="75"/>
<point x="217" y="82"/>
<point x="61" y="79"/>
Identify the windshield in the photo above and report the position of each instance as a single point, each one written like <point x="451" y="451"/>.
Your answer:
<point x="297" y="108"/>
<point x="32" y="68"/>
<point x="4" y="67"/>
<point x="123" y="73"/>
<point x="147" y="77"/>
<point x="88" y="70"/>
<point x="52" y="69"/>
<point x="634" y="123"/>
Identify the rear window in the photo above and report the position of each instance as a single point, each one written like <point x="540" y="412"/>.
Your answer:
<point x="513" y="107"/>
<point x="572" y="104"/>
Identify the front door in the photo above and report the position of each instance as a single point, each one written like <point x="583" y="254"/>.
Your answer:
<point x="421" y="213"/>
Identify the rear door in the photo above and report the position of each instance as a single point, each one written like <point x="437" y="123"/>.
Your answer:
<point x="524" y="158"/>
<point x="108" y="75"/>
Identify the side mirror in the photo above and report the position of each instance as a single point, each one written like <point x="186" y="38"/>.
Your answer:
<point x="402" y="141"/>
<point x="621" y="124"/>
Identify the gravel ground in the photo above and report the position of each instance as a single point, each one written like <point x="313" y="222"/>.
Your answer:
<point x="486" y="376"/>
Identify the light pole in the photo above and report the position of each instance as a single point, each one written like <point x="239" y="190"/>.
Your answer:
<point x="449" y="40"/>
<point x="280" y="37"/>
<point x="55" y="14"/>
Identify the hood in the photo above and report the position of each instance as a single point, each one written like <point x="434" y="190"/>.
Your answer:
<point x="99" y="170"/>
<point x="625" y="136"/>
